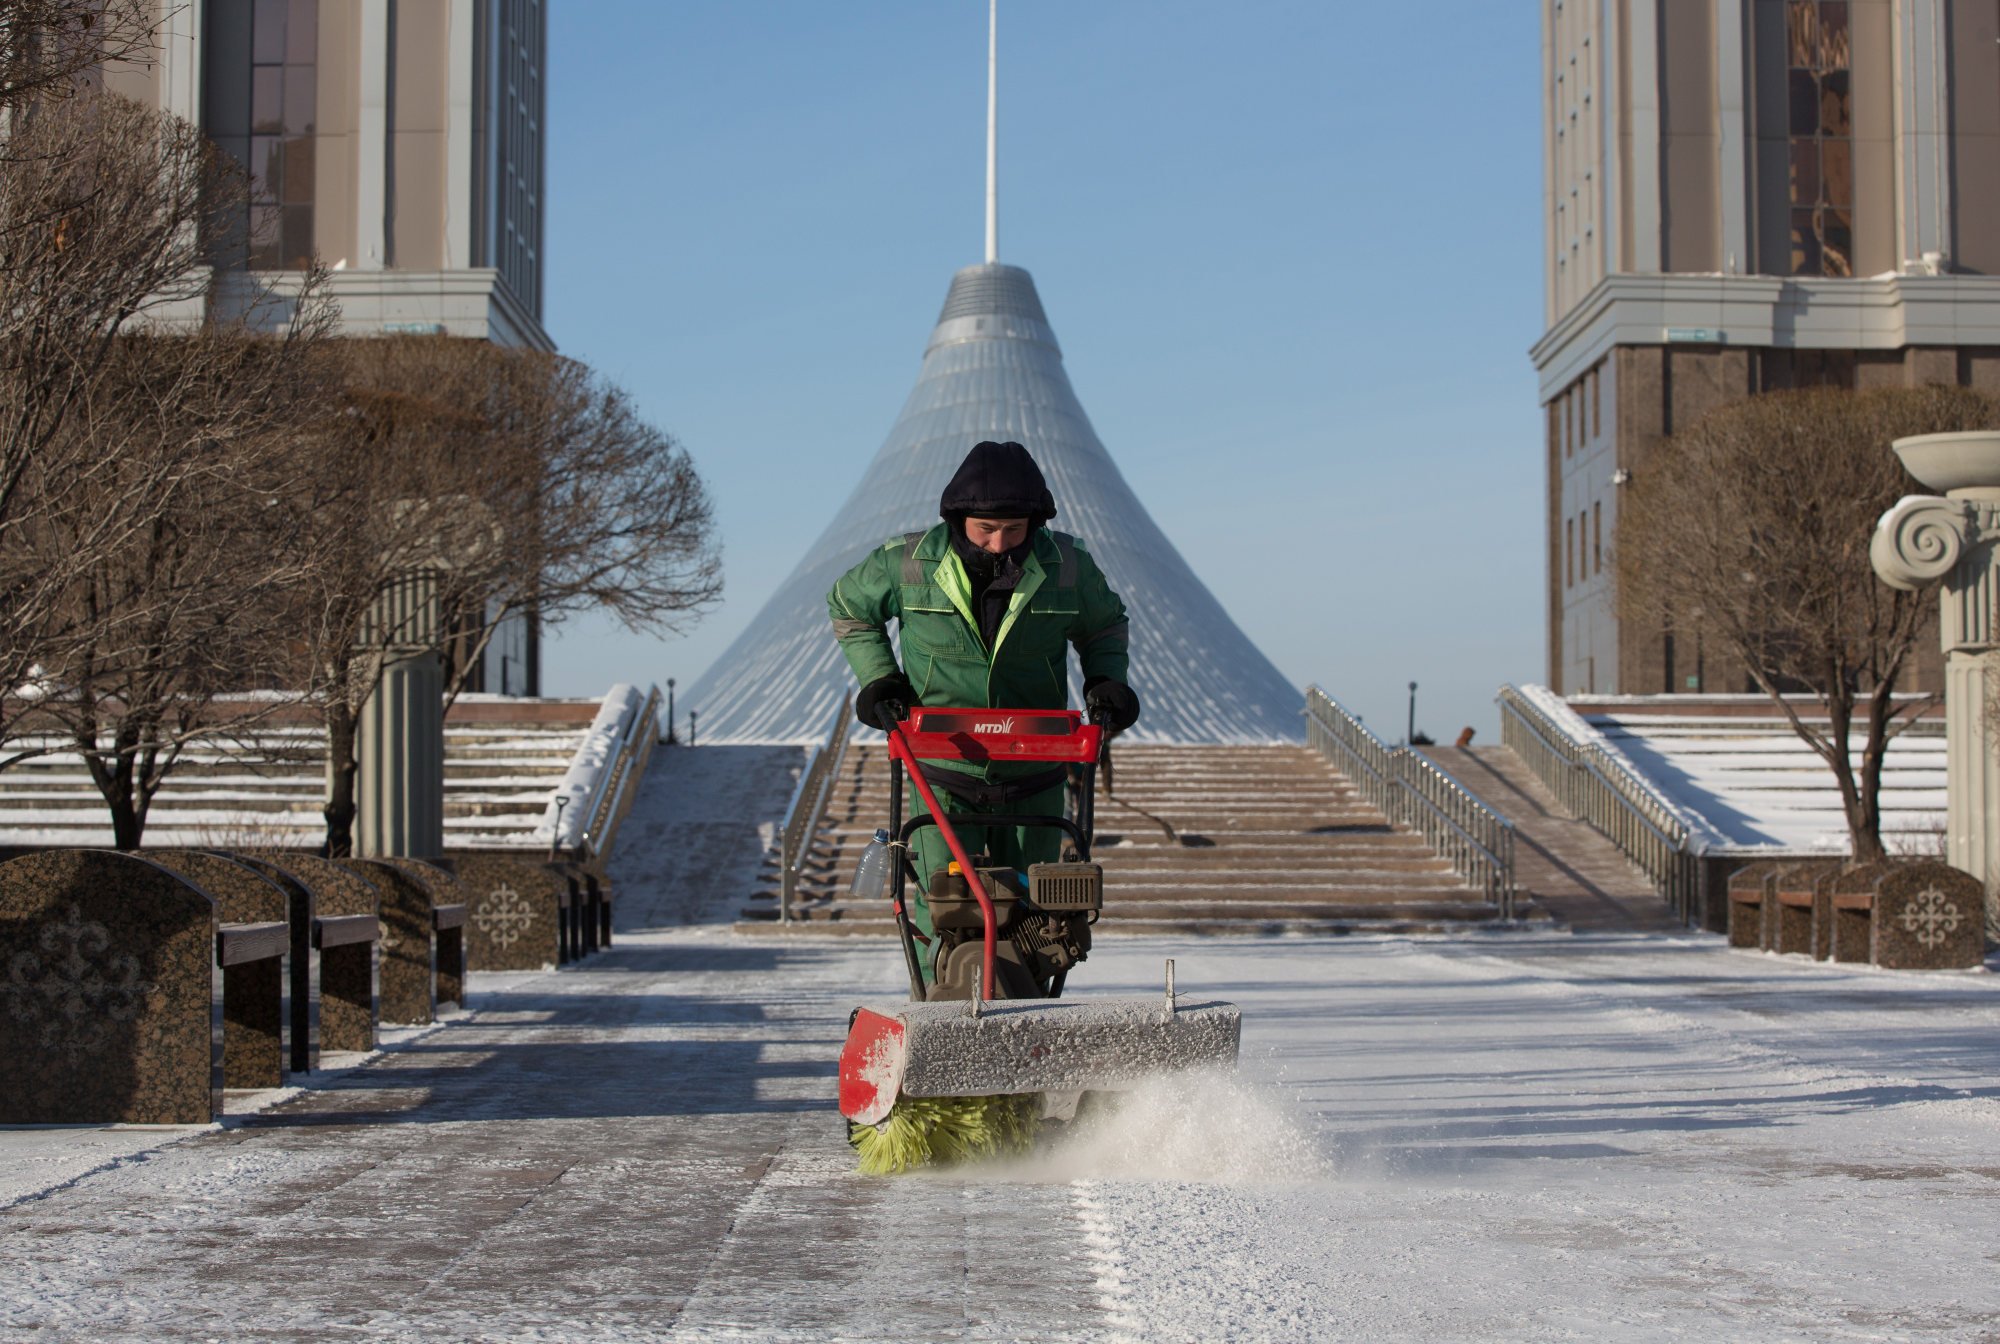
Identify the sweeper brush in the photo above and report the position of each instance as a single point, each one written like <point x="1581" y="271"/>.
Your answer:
<point x="960" y="1073"/>
<point x="922" y="1131"/>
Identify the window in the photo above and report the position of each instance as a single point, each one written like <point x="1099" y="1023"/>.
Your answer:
<point x="1822" y="137"/>
<point x="1596" y="402"/>
<point x="1569" y="552"/>
<point x="1569" y="424"/>
<point x="1597" y="537"/>
<point x="284" y="87"/>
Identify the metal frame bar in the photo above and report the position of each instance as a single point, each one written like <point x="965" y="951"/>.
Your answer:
<point x="1606" y="794"/>
<point x="808" y="807"/>
<point x="1416" y="792"/>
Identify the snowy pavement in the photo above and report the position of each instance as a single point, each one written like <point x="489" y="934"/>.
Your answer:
<point x="1493" y="1137"/>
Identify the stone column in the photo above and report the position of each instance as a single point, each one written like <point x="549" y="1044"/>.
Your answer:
<point x="399" y="793"/>
<point x="1956" y="539"/>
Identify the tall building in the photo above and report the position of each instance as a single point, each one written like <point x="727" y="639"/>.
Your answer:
<point x="401" y="142"/>
<point x="1743" y="196"/>
<point x="992" y="370"/>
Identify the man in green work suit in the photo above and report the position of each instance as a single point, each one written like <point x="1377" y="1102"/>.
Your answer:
<point x="990" y="601"/>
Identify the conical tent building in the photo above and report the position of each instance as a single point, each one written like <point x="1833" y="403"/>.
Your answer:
<point x="993" y="371"/>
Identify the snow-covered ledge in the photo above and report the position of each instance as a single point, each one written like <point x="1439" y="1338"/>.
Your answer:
<point x="620" y="724"/>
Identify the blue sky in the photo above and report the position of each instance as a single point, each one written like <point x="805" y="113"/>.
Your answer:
<point x="1292" y="250"/>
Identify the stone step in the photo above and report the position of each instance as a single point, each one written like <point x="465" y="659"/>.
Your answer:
<point x="1221" y="859"/>
<point x="1198" y="919"/>
<point x="1286" y="843"/>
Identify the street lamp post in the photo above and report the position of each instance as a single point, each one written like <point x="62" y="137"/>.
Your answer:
<point x="671" y="739"/>
<point x="690" y="727"/>
<point x="1410" y="737"/>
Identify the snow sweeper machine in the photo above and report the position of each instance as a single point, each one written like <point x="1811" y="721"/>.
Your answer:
<point x="986" y="1050"/>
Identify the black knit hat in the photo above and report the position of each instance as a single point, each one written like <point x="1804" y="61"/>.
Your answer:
<point x="998" y="480"/>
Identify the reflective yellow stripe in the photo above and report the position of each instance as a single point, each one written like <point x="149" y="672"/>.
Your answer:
<point x="952" y="580"/>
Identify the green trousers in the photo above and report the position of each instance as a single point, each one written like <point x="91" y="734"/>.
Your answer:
<point x="1008" y="846"/>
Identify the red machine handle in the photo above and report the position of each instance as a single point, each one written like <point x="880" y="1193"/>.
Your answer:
<point x="941" y="733"/>
<point x="899" y="747"/>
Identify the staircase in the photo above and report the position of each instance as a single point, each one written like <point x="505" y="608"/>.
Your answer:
<point x="1267" y="839"/>
<point x="502" y="761"/>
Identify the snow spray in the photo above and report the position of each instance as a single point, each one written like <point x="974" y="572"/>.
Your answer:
<point x="1206" y="1127"/>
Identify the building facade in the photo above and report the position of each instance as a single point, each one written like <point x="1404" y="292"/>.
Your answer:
<point x="399" y="142"/>
<point x="1743" y="196"/>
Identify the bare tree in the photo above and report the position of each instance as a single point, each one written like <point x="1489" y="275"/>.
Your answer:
<point x="519" y="483"/>
<point x="183" y="606"/>
<point x="112" y="216"/>
<point x="1754" y="524"/>
<point x="600" y="510"/>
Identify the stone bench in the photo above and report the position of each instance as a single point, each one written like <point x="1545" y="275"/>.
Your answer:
<point x="255" y="977"/>
<point x="348" y="975"/>
<point x="112" y="991"/>
<point x="520" y="912"/>
<point x="423" y="938"/>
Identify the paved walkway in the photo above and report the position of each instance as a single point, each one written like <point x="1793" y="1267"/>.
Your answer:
<point x="1493" y="1137"/>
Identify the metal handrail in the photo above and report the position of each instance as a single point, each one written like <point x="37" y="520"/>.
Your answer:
<point x="1416" y="792"/>
<point x="808" y="806"/>
<point x="1604" y="792"/>
<point x="1488" y="863"/>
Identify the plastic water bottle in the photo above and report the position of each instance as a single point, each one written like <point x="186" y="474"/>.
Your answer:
<point x="871" y="875"/>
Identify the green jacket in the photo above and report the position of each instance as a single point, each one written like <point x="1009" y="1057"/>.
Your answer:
<point x="1062" y="600"/>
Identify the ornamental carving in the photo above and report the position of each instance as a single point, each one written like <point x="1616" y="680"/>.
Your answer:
<point x="1930" y="917"/>
<point x="1920" y="540"/>
<point x="504" y="916"/>
<point x="72" y="988"/>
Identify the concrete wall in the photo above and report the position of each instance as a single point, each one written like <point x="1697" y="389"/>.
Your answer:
<point x="417" y="130"/>
<point x="337" y="165"/>
<point x="1582" y="522"/>
<point x="1872" y="24"/>
<point x="1573" y="115"/>
<point x="1975" y="150"/>
<point x="1690" y="197"/>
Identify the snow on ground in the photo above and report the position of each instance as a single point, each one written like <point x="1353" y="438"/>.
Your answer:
<point x="1499" y="1137"/>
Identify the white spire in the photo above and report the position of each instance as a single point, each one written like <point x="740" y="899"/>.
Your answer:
<point x="992" y="122"/>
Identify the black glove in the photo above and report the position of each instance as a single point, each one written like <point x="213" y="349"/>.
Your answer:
<point x="884" y="702"/>
<point x="1114" y="701"/>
